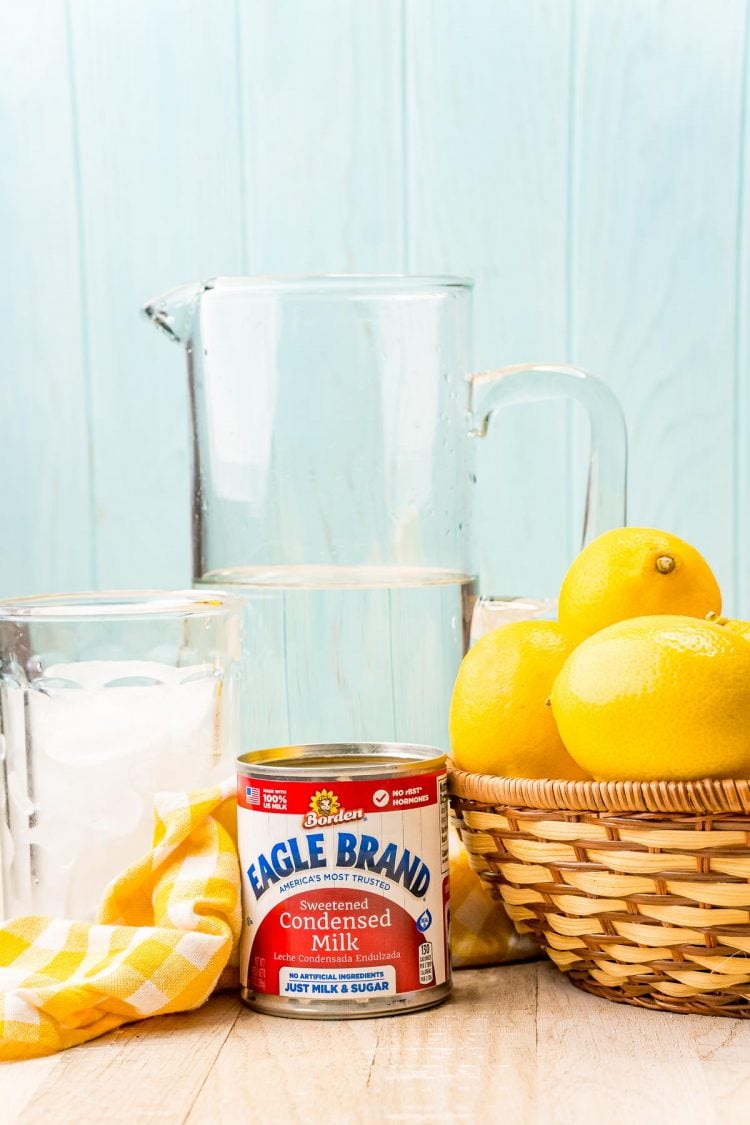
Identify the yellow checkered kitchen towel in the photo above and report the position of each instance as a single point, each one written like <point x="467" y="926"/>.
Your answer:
<point x="481" y="931"/>
<point x="167" y="934"/>
<point x="166" y="931"/>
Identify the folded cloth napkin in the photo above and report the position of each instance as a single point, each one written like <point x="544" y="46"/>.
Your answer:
<point x="166" y="931"/>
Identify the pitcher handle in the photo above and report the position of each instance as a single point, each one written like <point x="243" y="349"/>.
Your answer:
<point x="536" y="382"/>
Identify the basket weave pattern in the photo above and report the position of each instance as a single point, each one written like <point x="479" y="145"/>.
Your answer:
<point x="640" y="892"/>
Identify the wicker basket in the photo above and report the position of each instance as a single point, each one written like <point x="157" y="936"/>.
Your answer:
<point x="639" y="891"/>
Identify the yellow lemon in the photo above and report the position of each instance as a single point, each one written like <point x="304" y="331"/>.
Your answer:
<point x="631" y="572"/>
<point x="499" y="719"/>
<point x="657" y="697"/>
<point x="733" y="624"/>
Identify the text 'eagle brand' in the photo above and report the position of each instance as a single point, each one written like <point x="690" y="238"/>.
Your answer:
<point x="364" y="853"/>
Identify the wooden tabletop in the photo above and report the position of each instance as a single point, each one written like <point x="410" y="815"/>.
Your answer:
<point x="516" y="1044"/>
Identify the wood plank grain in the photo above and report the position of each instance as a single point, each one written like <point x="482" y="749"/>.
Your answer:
<point x="722" y="1047"/>
<point x="156" y="89"/>
<point x="45" y="502"/>
<point x="617" y="1063"/>
<point x="470" y="1059"/>
<point x="658" y="91"/>
<point x="516" y="1043"/>
<point x="474" y="1061"/>
<point x="322" y="136"/>
<point x="149" y="1071"/>
<point x="486" y="123"/>
<point x="20" y="1082"/>
<point x="285" y="1067"/>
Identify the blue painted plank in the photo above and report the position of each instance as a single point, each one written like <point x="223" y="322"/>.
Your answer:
<point x="596" y="205"/>
<point x="322" y="136"/>
<point x="159" y="142"/>
<point x="658" y="96"/>
<point x="486" y="143"/>
<point x="45" y="502"/>
<point x="742" y="348"/>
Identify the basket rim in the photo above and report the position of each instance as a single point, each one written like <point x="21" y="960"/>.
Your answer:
<point x="701" y="798"/>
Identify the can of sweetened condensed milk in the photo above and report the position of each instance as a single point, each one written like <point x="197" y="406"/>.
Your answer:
<point x="345" y="892"/>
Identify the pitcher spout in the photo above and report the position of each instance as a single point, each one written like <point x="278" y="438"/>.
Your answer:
<point x="173" y="311"/>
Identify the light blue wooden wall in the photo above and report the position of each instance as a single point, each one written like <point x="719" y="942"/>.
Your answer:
<point x="585" y="160"/>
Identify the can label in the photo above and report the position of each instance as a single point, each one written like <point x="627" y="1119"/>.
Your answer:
<point x="345" y="886"/>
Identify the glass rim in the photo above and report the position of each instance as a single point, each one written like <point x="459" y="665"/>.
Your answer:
<point x="114" y="604"/>
<point x="376" y="282"/>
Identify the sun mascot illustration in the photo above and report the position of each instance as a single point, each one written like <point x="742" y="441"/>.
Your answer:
<point x="324" y="803"/>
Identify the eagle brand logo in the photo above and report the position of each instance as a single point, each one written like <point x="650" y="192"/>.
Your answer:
<point x="325" y="809"/>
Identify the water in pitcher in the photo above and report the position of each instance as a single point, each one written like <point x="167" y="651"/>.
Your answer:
<point x="335" y="653"/>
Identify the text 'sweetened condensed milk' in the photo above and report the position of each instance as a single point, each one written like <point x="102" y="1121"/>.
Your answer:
<point x="344" y="856"/>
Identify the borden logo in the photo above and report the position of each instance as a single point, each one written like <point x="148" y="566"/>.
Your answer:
<point x="326" y="809"/>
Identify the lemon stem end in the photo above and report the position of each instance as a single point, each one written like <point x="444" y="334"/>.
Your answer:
<point x="665" y="564"/>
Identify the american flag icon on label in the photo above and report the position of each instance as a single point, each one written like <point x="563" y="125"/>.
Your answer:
<point x="252" y="795"/>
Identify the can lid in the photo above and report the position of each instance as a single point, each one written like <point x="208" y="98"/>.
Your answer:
<point x="341" y="760"/>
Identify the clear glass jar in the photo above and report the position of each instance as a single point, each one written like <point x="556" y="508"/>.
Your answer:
<point x="105" y="700"/>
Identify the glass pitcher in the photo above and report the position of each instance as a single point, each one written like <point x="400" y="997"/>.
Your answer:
<point x="334" y="425"/>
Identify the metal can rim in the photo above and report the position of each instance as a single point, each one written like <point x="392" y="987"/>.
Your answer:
<point x="288" y="762"/>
